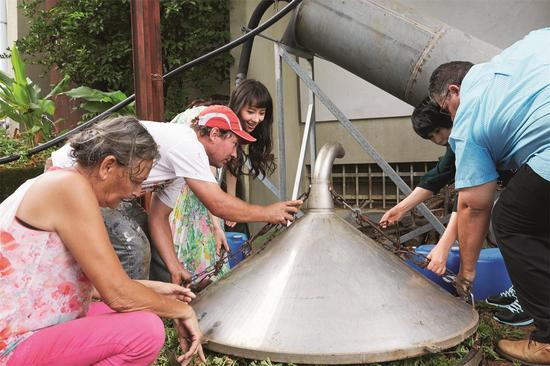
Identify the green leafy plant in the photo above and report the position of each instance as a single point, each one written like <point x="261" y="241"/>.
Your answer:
<point x="91" y="41"/>
<point x="97" y="101"/>
<point x="20" y="100"/>
<point x="11" y="146"/>
<point x="8" y="145"/>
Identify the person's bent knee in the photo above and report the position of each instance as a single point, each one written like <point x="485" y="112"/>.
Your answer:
<point x="153" y="327"/>
<point x="150" y="330"/>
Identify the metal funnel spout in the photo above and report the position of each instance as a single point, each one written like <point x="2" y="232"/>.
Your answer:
<point x="321" y="292"/>
<point x="319" y="196"/>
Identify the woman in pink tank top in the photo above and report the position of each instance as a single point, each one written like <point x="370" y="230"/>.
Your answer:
<point x="55" y="254"/>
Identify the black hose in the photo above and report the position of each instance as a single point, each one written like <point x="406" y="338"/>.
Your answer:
<point x="236" y="42"/>
<point x="246" y="51"/>
<point x="167" y="76"/>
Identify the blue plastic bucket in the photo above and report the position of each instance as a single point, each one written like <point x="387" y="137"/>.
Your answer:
<point x="491" y="274"/>
<point x="453" y="260"/>
<point x="452" y="264"/>
<point x="235" y="241"/>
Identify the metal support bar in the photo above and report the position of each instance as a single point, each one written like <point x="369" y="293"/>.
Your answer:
<point x="280" y="121"/>
<point x="358" y="136"/>
<point x="421" y="230"/>
<point x="312" y="131"/>
<point x="266" y="181"/>
<point x="300" y="167"/>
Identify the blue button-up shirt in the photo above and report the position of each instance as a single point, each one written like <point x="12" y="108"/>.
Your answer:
<point x="503" y="120"/>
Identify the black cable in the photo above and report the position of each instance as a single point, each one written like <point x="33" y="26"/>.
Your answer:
<point x="244" y="60"/>
<point x="165" y="77"/>
<point x="235" y="42"/>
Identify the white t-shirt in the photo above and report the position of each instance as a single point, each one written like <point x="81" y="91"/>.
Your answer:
<point x="181" y="156"/>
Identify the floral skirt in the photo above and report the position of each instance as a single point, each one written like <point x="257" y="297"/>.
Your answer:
<point x="193" y="236"/>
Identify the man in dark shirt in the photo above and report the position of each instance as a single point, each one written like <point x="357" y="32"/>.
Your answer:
<point x="430" y="123"/>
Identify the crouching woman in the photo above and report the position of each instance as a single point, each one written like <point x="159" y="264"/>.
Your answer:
<point x="55" y="253"/>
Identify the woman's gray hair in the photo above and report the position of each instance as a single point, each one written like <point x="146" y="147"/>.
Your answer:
<point x="123" y="137"/>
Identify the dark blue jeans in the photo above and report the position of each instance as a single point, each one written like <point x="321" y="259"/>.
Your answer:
<point x="521" y="221"/>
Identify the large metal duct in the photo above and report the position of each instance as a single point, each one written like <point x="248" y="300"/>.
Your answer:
<point x="324" y="293"/>
<point x="383" y="42"/>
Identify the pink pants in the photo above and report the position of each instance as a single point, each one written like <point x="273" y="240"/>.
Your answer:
<point x="103" y="337"/>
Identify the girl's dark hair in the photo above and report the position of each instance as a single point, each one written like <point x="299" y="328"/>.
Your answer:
<point x="254" y="94"/>
<point x="427" y="117"/>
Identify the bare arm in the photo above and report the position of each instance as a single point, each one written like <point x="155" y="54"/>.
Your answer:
<point x="231" y="208"/>
<point x="219" y="234"/>
<point x="74" y="214"/>
<point x="231" y="187"/>
<point x="231" y="182"/>
<point x="474" y="211"/>
<point x="393" y="215"/>
<point x="161" y="235"/>
<point x="163" y="288"/>
<point x="438" y="255"/>
<point x="217" y="229"/>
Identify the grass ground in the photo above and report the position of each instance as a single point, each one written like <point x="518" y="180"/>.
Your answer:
<point x="489" y="332"/>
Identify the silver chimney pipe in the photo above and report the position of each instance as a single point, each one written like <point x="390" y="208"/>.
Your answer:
<point x="382" y="41"/>
<point x="319" y="195"/>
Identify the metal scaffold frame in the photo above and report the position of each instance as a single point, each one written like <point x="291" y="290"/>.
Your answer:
<point x="282" y="55"/>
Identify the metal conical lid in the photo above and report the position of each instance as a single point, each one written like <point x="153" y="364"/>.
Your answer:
<point x="322" y="292"/>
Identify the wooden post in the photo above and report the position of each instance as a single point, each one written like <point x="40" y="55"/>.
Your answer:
<point x="146" y="51"/>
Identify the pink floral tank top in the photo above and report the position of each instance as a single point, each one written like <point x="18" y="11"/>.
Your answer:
<point x="41" y="284"/>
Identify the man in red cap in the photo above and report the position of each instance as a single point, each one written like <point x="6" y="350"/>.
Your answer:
<point x="222" y="119"/>
<point x="219" y="132"/>
<point x="186" y="154"/>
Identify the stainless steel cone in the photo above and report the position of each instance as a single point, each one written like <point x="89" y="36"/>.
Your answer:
<point x="322" y="292"/>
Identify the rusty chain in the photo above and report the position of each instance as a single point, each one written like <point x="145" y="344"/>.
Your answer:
<point x="397" y="248"/>
<point x="402" y="251"/>
<point x="204" y="277"/>
<point x="245" y="249"/>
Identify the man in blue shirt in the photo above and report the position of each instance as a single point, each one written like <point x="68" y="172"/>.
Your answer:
<point x="501" y="113"/>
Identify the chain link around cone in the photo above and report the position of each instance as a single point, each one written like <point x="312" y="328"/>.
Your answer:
<point x="203" y="278"/>
<point x="463" y="289"/>
<point x="397" y="249"/>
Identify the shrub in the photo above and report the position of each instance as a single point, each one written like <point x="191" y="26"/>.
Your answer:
<point x="90" y="40"/>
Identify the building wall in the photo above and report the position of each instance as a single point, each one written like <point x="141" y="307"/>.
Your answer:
<point x="18" y="26"/>
<point x="387" y="127"/>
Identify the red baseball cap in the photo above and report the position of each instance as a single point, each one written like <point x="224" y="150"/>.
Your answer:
<point x="225" y="119"/>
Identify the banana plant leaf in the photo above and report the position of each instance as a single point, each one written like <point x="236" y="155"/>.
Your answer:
<point x="21" y="101"/>
<point x="97" y="101"/>
<point x="58" y="87"/>
<point x="18" y="67"/>
<point x="5" y="78"/>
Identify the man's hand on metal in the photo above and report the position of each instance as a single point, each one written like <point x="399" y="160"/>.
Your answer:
<point x="463" y="285"/>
